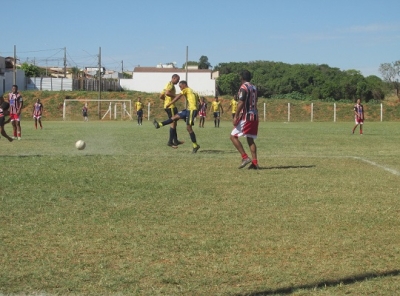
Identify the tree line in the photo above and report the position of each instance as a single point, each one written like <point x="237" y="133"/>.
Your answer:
<point x="302" y="81"/>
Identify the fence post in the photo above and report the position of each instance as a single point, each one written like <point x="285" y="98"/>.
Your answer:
<point x="265" y="114"/>
<point x="312" y="112"/>
<point x="148" y="111"/>
<point x="381" y="112"/>
<point x="334" y="112"/>
<point x="288" y="113"/>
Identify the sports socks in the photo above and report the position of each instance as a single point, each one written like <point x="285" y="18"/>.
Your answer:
<point x="193" y="138"/>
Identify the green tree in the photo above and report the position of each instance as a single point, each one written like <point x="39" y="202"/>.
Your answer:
<point x="31" y="70"/>
<point x="75" y="71"/>
<point x="391" y="73"/>
<point x="203" y="63"/>
<point x="228" y="84"/>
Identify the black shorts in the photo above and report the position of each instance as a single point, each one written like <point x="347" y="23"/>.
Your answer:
<point x="171" y="111"/>
<point x="216" y="114"/>
<point x="139" y="113"/>
<point x="2" y="120"/>
<point x="188" y="116"/>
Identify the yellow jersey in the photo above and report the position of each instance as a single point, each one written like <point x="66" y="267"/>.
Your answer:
<point x="139" y="106"/>
<point x="191" y="98"/>
<point x="215" y="106"/>
<point x="233" y="105"/>
<point x="171" y="87"/>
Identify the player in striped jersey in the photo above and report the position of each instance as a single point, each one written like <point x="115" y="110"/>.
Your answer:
<point x="202" y="111"/>
<point x="37" y="113"/>
<point x="358" y="116"/>
<point x="16" y="104"/>
<point x="246" y="121"/>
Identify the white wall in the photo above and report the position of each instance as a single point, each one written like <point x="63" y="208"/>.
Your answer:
<point x="153" y="82"/>
<point x="9" y="77"/>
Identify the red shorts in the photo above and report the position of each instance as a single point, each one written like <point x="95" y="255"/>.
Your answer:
<point x="202" y="114"/>
<point x="246" y="129"/>
<point x="359" y="120"/>
<point x="14" y="117"/>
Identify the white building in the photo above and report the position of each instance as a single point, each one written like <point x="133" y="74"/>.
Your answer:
<point x="154" y="79"/>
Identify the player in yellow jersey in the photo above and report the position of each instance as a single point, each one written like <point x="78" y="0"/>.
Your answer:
<point x="188" y="114"/>
<point x="139" y="111"/>
<point x="167" y="95"/>
<point x="217" y="109"/>
<point x="233" y="105"/>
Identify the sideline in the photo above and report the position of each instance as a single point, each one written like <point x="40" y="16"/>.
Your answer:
<point x="394" y="172"/>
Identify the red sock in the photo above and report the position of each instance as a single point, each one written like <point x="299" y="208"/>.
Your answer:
<point x="255" y="162"/>
<point x="244" y="156"/>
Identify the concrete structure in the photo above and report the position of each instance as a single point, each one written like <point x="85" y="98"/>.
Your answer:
<point x="7" y="75"/>
<point x="153" y="80"/>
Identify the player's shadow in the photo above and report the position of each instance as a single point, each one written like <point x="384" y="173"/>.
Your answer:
<point x="215" y="151"/>
<point x="324" y="284"/>
<point x="286" y="167"/>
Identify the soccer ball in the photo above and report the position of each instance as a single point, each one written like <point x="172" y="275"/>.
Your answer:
<point x="80" y="145"/>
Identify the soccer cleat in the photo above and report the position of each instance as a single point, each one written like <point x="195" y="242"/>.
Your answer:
<point x="178" y="143"/>
<point x="195" y="149"/>
<point x="254" y="167"/>
<point x="19" y="138"/>
<point x="172" y="145"/>
<point x="245" y="162"/>
<point x="156" y="124"/>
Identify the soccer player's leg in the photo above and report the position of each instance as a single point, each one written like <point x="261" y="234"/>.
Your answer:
<point x="190" y="116"/>
<point x="235" y="134"/>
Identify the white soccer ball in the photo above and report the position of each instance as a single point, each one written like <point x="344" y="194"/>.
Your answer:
<point x="80" y="145"/>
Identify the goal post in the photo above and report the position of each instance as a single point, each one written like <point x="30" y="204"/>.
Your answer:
<point x="110" y="109"/>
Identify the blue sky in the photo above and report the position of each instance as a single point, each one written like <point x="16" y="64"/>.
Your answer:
<point x="346" y="34"/>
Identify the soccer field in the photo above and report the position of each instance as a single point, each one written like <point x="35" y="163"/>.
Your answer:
<point x="130" y="216"/>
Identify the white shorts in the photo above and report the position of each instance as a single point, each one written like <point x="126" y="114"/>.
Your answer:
<point x="246" y="129"/>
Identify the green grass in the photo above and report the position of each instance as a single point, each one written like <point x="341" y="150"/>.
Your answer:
<point x="130" y="216"/>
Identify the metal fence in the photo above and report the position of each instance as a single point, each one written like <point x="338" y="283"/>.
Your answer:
<point x="57" y="84"/>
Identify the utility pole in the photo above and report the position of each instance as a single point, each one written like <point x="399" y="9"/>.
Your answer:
<point x="187" y="55"/>
<point x="65" y="62"/>
<point x="99" y="105"/>
<point x="15" y="66"/>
